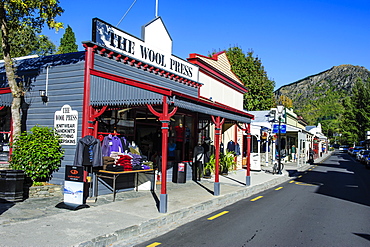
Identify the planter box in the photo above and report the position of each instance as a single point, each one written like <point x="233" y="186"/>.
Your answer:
<point x="11" y="185"/>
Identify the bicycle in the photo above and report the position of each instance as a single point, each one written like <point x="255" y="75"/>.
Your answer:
<point x="275" y="168"/>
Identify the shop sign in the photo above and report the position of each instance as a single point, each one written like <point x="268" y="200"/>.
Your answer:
<point x="181" y="167"/>
<point x="115" y="39"/>
<point x="73" y="192"/>
<point x="74" y="173"/>
<point x="65" y="124"/>
<point x="73" y="185"/>
<point x="275" y="128"/>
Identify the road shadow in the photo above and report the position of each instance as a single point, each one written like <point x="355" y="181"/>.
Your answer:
<point x="344" y="180"/>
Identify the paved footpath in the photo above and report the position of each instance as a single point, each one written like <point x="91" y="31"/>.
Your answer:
<point x="133" y="217"/>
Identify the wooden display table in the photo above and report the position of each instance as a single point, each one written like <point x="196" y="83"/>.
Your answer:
<point x="114" y="175"/>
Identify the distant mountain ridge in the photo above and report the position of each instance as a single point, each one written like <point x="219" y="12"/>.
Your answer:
<point x="307" y="93"/>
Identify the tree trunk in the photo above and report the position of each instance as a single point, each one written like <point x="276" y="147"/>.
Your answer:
<point x="10" y="74"/>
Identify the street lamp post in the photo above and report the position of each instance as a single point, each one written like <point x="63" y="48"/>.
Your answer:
<point x="280" y="109"/>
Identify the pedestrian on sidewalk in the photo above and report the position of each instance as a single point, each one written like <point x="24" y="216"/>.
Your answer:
<point x="294" y="153"/>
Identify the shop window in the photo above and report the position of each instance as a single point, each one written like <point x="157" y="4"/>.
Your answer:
<point x="254" y="146"/>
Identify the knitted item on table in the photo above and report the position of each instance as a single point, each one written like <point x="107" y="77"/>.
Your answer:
<point x="136" y="159"/>
<point x="125" y="161"/>
<point x="145" y="167"/>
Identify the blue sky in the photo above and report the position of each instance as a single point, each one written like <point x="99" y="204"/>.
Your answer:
<point x="293" y="38"/>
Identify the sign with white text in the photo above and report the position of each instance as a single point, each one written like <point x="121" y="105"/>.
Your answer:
<point x="115" y="39"/>
<point x="65" y="124"/>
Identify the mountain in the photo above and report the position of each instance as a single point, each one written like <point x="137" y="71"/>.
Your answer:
<point x="318" y="97"/>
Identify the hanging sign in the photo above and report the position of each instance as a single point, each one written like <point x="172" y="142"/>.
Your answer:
<point x="65" y="124"/>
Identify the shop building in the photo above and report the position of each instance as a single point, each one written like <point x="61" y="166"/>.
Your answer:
<point x="296" y="141"/>
<point x="134" y="89"/>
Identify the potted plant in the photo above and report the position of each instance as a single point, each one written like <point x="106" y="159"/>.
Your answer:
<point x="38" y="153"/>
<point x="209" y="168"/>
<point x="227" y="162"/>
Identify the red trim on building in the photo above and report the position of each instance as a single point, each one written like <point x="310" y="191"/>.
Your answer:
<point x="142" y="65"/>
<point x="131" y="82"/>
<point x="218" y="121"/>
<point x="86" y="108"/>
<point x="215" y="73"/>
<point x="5" y="90"/>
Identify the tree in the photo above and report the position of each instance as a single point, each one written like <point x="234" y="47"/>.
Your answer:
<point x="68" y="42"/>
<point x="23" y="16"/>
<point x="286" y="101"/>
<point x="249" y="69"/>
<point x="28" y="42"/>
<point x="44" y="46"/>
<point x="356" y="117"/>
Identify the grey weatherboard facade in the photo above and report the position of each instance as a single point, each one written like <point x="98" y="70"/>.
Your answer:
<point x="65" y="86"/>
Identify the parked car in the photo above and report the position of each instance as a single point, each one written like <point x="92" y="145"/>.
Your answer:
<point x="367" y="162"/>
<point x="343" y="148"/>
<point x="365" y="154"/>
<point x="359" y="155"/>
<point x="362" y="155"/>
<point x="356" y="150"/>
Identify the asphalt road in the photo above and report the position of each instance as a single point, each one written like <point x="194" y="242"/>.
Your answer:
<point x="327" y="205"/>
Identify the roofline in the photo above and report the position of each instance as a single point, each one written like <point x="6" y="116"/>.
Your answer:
<point x="216" y="74"/>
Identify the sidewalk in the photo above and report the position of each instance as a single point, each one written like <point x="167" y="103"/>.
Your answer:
<point x="133" y="217"/>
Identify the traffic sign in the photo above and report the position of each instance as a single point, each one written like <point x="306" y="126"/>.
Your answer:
<point x="275" y="128"/>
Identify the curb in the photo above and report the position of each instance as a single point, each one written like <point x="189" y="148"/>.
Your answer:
<point x="155" y="227"/>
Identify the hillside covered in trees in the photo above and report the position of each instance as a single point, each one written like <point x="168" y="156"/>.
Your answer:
<point x="323" y="98"/>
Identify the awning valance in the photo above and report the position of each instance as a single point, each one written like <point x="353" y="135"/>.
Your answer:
<point x="106" y="92"/>
<point x="210" y="111"/>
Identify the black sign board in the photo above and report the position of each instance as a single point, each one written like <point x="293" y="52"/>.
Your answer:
<point x="74" y="173"/>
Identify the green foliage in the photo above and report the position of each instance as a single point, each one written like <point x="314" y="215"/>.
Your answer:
<point x="25" y="19"/>
<point x="356" y="117"/>
<point x="44" y="46"/>
<point x="37" y="152"/>
<point x="227" y="161"/>
<point x="249" y="69"/>
<point x="324" y="107"/>
<point x="286" y="101"/>
<point x="21" y="22"/>
<point x="68" y="42"/>
<point x="210" y="165"/>
<point x="29" y="43"/>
